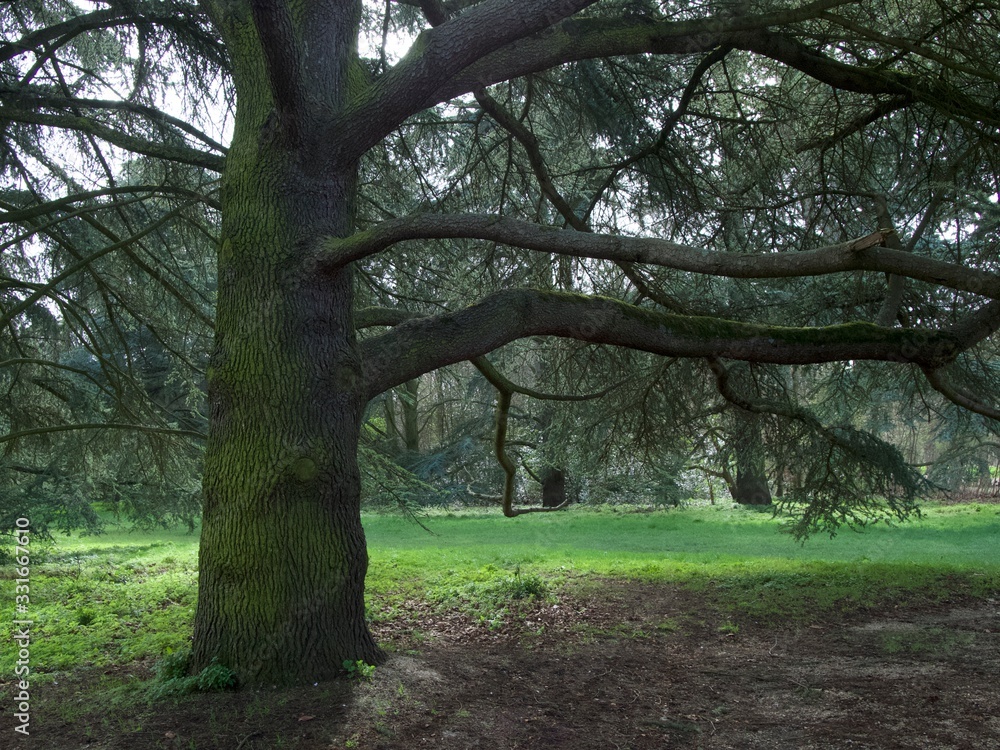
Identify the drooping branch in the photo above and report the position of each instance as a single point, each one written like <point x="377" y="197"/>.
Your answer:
<point x="75" y="268"/>
<point x="959" y="396"/>
<point x="505" y="391"/>
<point x="590" y="38"/>
<point x="919" y="48"/>
<point x="90" y="126"/>
<point x="754" y="405"/>
<point x="506" y="388"/>
<point x="934" y="92"/>
<point x="701" y="69"/>
<point x="13" y="214"/>
<point x="532" y="148"/>
<point x="100" y="19"/>
<point x="424" y="344"/>
<point x="498" y="379"/>
<point x="29" y="96"/>
<point x="861" y="476"/>
<point x="102" y="426"/>
<point x="547" y="185"/>
<point x="879" y="111"/>
<point x="181" y="20"/>
<point x="863" y="254"/>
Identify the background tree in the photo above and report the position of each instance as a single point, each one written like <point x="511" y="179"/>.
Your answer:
<point x="722" y="182"/>
<point x="107" y="266"/>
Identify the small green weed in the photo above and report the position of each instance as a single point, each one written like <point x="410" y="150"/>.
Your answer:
<point x="359" y="670"/>
<point x="172" y="678"/>
<point x="173" y="666"/>
<point x="670" y="625"/>
<point x="729" y="628"/>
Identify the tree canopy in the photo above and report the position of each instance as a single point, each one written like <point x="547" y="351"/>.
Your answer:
<point x="678" y="218"/>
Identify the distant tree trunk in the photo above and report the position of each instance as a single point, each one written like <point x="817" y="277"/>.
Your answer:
<point x="411" y="424"/>
<point x="391" y="430"/>
<point x="751" y="486"/>
<point x="440" y="408"/>
<point x="553" y="477"/>
<point x="553" y="487"/>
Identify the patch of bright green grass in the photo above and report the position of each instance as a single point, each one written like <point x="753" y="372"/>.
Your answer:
<point x="122" y="596"/>
<point x="738" y="557"/>
<point x="108" y="599"/>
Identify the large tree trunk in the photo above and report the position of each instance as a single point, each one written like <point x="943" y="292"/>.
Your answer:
<point x="283" y="555"/>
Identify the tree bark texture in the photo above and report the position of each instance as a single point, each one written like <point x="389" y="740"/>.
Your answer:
<point x="283" y="555"/>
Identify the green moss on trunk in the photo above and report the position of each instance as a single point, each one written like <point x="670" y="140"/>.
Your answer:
<point x="283" y="554"/>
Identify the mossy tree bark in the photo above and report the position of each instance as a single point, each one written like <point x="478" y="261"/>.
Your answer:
<point x="283" y="555"/>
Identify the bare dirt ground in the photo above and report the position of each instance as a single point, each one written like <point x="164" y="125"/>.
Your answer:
<point x="630" y="665"/>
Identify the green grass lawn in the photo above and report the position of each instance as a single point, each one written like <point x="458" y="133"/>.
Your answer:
<point x="126" y="595"/>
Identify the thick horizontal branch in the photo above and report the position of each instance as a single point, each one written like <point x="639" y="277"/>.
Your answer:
<point x="958" y="396"/>
<point x="863" y="254"/>
<point x="425" y="344"/>
<point x="579" y="39"/>
<point x="371" y="317"/>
